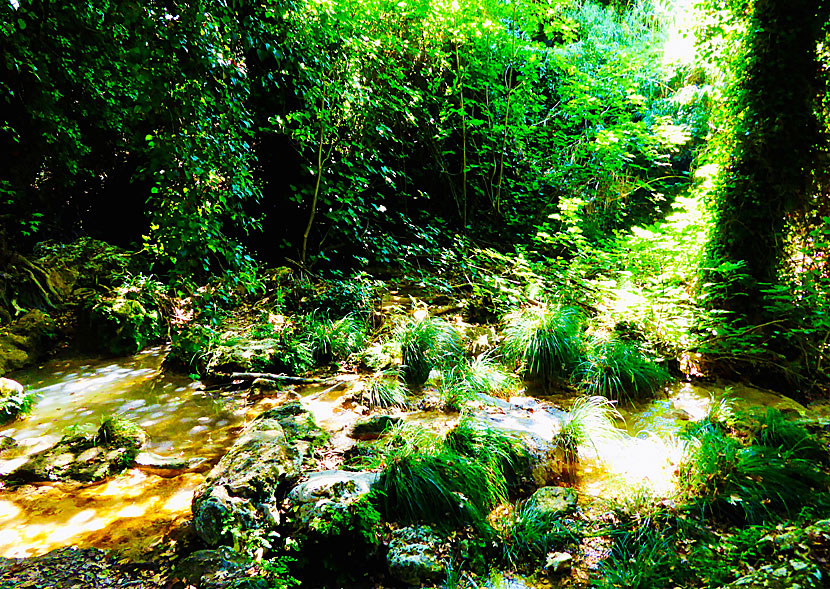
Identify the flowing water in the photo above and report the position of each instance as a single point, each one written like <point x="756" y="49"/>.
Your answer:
<point x="130" y="511"/>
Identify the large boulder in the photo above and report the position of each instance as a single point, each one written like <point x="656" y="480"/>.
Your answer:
<point x="242" y="492"/>
<point x="85" y="457"/>
<point x="221" y="568"/>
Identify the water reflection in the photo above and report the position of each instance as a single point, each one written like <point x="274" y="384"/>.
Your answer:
<point x="133" y="510"/>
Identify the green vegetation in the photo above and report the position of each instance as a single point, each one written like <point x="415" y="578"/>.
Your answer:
<point x="545" y="341"/>
<point x="618" y="370"/>
<point x="589" y="420"/>
<point x="426" y="343"/>
<point x="17" y="405"/>
<point x="566" y="198"/>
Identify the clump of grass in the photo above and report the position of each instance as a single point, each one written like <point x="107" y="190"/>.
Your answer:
<point x="384" y="389"/>
<point x="426" y="343"/>
<point x="448" y="482"/>
<point x="546" y="342"/>
<point x="529" y="534"/>
<point x="501" y="452"/>
<point x="727" y="474"/>
<point x="445" y="490"/>
<point x="618" y="370"/>
<point x="330" y="340"/>
<point x="467" y="381"/>
<point x="775" y="431"/>
<point x="589" y="420"/>
<point x="640" y="558"/>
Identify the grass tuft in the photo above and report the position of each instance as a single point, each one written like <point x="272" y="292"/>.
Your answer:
<point x="618" y="370"/>
<point x="426" y="343"/>
<point x="546" y="342"/>
<point x="529" y="534"/>
<point x="467" y="381"/>
<point x="589" y="420"/>
<point x="384" y="389"/>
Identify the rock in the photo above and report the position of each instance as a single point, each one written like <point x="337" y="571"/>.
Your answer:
<point x="166" y="466"/>
<point x="244" y="489"/>
<point x="373" y="427"/>
<point x="554" y="501"/>
<point x="325" y="492"/>
<point x="9" y="387"/>
<point x="558" y="562"/>
<point x="84" y="457"/>
<point x="26" y="340"/>
<point x="413" y="556"/>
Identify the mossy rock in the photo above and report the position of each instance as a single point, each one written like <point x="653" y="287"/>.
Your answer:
<point x="26" y="341"/>
<point x="554" y="501"/>
<point x="85" y="457"/>
<point x="120" y="326"/>
<point x="412" y="556"/>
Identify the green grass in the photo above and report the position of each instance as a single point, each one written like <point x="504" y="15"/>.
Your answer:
<point x="426" y="343"/>
<point x="529" y="534"/>
<point x="384" y="389"/>
<point x="17" y="405"/>
<point x="334" y="339"/>
<point x="724" y="474"/>
<point x="589" y="420"/>
<point x="448" y="482"/>
<point x="618" y="370"/>
<point x="467" y="381"/>
<point x="640" y="558"/>
<point x="502" y="453"/>
<point x="546" y="342"/>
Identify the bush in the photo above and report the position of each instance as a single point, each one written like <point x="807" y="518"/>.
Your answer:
<point x="426" y="343"/>
<point x="17" y="405"/>
<point x="334" y="340"/>
<point x="353" y="296"/>
<point x="191" y="346"/>
<point x="546" y="342"/>
<point x="618" y="370"/>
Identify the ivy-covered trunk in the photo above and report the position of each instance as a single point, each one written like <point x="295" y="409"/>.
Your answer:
<point x="773" y="145"/>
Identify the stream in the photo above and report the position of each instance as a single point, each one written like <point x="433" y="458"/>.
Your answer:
<point x="133" y="511"/>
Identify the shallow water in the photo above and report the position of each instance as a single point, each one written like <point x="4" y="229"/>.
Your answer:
<point x="135" y="509"/>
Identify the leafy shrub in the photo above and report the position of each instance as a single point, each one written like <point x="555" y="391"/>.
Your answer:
<point x="190" y="347"/>
<point x="17" y="405"/>
<point x="426" y="343"/>
<point x="352" y="296"/>
<point x="545" y="341"/>
<point x="618" y="370"/>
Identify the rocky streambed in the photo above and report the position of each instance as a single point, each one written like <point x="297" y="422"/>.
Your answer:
<point x="224" y="471"/>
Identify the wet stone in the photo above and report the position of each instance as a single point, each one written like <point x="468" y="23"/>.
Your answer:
<point x="554" y="501"/>
<point x="373" y="427"/>
<point x="412" y="556"/>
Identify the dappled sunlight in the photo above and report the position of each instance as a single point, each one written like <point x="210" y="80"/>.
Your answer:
<point x="126" y="513"/>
